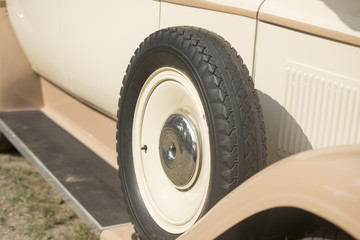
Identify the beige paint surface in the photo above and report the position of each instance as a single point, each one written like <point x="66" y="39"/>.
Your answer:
<point x="118" y="233"/>
<point x="238" y="7"/>
<point x="324" y="182"/>
<point x="309" y="89"/>
<point x="22" y="89"/>
<point x="19" y="85"/>
<point x="338" y="20"/>
<point x="92" y="128"/>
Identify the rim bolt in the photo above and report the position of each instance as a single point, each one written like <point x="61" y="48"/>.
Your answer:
<point x="144" y="148"/>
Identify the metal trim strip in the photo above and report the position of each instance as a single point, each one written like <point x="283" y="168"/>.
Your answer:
<point x="215" y="7"/>
<point x="308" y="28"/>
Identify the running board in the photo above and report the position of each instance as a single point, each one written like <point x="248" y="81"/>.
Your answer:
<point x="84" y="180"/>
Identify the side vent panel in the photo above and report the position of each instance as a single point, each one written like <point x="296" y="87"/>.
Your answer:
<point x="322" y="110"/>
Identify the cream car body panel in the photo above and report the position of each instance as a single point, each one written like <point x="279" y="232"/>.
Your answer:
<point x="40" y="38"/>
<point x="99" y="39"/>
<point x="218" y="22"/>
<point x="87" y="34"/>
<point x="238" y="7"/>
<point x="298" y="74"/>
<point x="79" y="44"/>
<point x="330" y="18"/>
<point x="305" y="181"/>
<point x="81" y="48"/>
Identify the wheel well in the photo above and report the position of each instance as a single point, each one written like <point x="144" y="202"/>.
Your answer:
<point x="283" y="223"/>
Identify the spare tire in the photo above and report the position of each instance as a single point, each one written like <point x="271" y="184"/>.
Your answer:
<point x="190" y="129"/>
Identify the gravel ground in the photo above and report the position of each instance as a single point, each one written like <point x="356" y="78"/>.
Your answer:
<point x="30" y="208"/>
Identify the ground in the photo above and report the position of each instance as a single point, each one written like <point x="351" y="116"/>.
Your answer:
<point x="30" y="208"/>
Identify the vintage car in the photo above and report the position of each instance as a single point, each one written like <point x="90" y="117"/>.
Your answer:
<point x="192" y="101"/>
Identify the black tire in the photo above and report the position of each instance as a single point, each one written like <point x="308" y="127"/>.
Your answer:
<point x="233" y="114"/>
<point x="5" y="145"/>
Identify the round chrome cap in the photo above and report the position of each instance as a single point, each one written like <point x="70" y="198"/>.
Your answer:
<point x="179" y="151"/>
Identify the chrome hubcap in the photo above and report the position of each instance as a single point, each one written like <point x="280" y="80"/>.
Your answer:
<point x="179" y="151"/>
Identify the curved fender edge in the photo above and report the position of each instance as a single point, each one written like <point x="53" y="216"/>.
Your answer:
<point x="323" y="182"/>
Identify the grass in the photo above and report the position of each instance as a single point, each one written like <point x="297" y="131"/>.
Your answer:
<point x="29" y="207"/>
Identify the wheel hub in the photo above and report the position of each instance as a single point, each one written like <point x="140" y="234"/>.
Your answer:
<point x="179" y="151"/>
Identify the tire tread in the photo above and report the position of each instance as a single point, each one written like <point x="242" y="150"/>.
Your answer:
<point x="232" y="99"/>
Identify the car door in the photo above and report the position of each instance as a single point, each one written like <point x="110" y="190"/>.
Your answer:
<point x="99" y="38"/>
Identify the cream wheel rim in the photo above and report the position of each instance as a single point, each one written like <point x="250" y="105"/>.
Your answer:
<point x="169" y="117"/>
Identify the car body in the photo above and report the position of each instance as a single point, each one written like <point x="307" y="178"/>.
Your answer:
<point x="303" y="57"/>
<point x="295" y="183"/>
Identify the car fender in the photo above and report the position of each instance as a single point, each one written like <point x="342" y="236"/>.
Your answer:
<point x="323" y="182"/>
